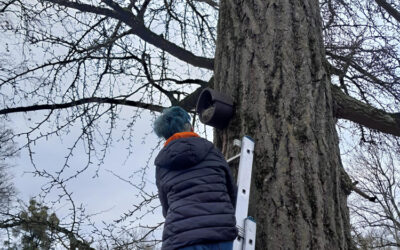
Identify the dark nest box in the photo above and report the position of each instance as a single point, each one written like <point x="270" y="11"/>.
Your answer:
<point x="214" y="108"/>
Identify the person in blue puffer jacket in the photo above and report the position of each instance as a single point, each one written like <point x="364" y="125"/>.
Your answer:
<point x="195" y="187"/>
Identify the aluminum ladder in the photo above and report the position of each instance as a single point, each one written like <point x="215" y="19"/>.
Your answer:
<point x="246" y="225"/>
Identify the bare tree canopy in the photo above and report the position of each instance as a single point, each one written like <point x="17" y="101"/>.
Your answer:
<point x="377" y="172"/>
<point x="125" y="53"/>
<point x="87" y="63"/>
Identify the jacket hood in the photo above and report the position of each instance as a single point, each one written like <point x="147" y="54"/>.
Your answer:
<point x="183" y="153"/>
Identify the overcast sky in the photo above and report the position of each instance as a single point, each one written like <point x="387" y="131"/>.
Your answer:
<point x="104" y="193"/>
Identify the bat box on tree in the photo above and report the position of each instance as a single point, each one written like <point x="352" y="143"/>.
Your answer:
<point x="214" y="108"/>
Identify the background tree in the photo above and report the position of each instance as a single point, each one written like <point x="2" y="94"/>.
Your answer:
<point x="36" y="235"/>
<point x="7" y="150"/>
<point x="378" y="175"/>
<point x="7" y="189"/>
<point x="37" y="229"/>
<point x="293" y="68"/>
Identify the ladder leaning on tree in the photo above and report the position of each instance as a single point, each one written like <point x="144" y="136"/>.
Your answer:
<point x="245" y="224"/>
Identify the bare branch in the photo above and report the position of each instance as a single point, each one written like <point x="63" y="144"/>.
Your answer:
<point x="363" y="194"/>
<point x="151" y="107"/>
<point x="190" y="101"/>
<point x="109" y="42"/>
<point x="212" y="3"/>
<point x="351" y="109"/>
<point x="392" y="11"/>
<point x="141" y="31"/>
<point x="356" y="67"/>
<point x="169" y="94"/>
<point x="140" y="15"/>
<point x="6" y="5"/>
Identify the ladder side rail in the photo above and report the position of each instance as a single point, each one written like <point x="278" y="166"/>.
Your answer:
<point x="243" y="195"/>
<point x="249" y="241"/>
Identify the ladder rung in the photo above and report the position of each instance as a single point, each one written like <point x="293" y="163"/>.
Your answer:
<point x="233" y="158"/>
<point x="241" y="231"/>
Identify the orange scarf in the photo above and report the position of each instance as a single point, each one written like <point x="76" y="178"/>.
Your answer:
<point x="180" y="135"/>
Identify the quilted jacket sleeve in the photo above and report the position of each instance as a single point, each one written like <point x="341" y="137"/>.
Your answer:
<point x="161" y="194"/>
<point x="232" y="187"/>
<point x="230" y="182"/>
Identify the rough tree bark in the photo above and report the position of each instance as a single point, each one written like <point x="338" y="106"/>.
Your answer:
<point x="270" y="59"/>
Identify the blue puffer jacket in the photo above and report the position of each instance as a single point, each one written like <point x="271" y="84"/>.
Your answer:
<point x="197" y="194"/>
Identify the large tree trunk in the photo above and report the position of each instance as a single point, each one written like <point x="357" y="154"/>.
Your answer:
<point x="270" y="59"/>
